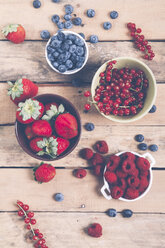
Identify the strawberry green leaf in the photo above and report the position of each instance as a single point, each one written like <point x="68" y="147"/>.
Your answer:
<point x="49" y="147"/>
<point x="15" y="90"/>
<point x="53" y="111"/>
<point x="9" y="29"/>
<point x="29" y="109"/>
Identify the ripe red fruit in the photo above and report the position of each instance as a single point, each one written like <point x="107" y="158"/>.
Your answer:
<point x="44" y="173"/>
<point x="33" y="221"/>
<point x="20" y="203"/>
<point x="40" y="235"/>
<point x="97" y="159"/>
<point x="48" y="105"/>
<point x="113" y="162"/>
<point x="41" y="128"/>
<point x="95" y="230"/>
<point x="14" y="32"/>
<point x="35" y="237"/>
<point x="110" y="177"/>
<point x="28" y="227"/>
<point x="128" y="166"/>
<point x="86" y="153"/>
<point x="27" y="220"/>
<point x="128" y="155"/>
<point x="97" y="170"/>
<point x="133" y="182"/>
<point x="33" y="144"/>
<point x="30" y="214"/>
<point x="116" y="192"/>
<point x="80" y="173"/>
<point x="143" y="184"/>
<point x="121" y="174"/>
<point x="131" y="193"/>
<point x="25" y="207"/>
<point x="20" y="213"/>
<point x="87" y="93"/>
<point x="143" y="164"/>
<point x="102" y="146"/>
<point x="87" y="106"/>
<point x="28" y="132"/>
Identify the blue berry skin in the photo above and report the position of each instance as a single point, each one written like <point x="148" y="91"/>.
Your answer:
<point x="107" y="25"/>
<point x="68" y="42"/>
<point x="79" y="42"/>
<point x="69" y="9"/>
<point x="60" y="25"/>
<point x="82" y="35"/>
<point x="36" y="4"/>
<point x="69" y="64"/>
<point x="67" y="17"/>
<point x="62" y="68"/>
<point x="65" y="47"/>
<point x="79" y="51"/>
<point x="139" y="138"/>
<point x="142" y="146"/>
<point x="55" y="54"/>
<point x="51" y="58"/>
<point x="79" y="64"/>
<point x="55" y="1"/>
<point x="55" y="65"/>
<point x="127" y="213"/>
<point x="112" y="212"/>
<point x="68" y="24"/>
<point x="50" y="49"/>
<point x="89" y="126"/>
<point x="153" y="148"/>
<point x="56" y="43"/>
<point x="90" y="13"/>
<point x="77" y="21"/>
<point x="153" y="109"/>
<point x="59" y="197"/>
<point x="45" y="35"/>
<point x="71" y="37"/>
<point x="55" y="18"/>
<point x="72" y="48"/>
<point x="93" y="39"/>
<point x="114" y="14"/>
<point x="61" y="36"/>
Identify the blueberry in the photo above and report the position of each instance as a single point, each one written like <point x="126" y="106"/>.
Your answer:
<point x="142" y="146"/>
<point x="107" y="25"/>
<point x="79" y="42"/>
<point x="76" y="82"/>
<point x="112" y="212"/>
<point x="82" y="35"/>
<point x="55" y="18"/>
<point x="55" y="65"/>
<point x="93" y="39"/>
<point x="77" y="21"/>
<point x="59" y="197"/>
<point x="90" y="13"/>
<point x="71" y="37"/>
<point x="73" y="58"/>
<point x="69" y="64"/>
<point x="153" y="148"/>
<point x="153" y="109"/>
<point x="127" y="213"/>
<point x="89" y="126"/>
<point x="80" y="59"/>
<point x="36" y="4"/>
<point x="67" y="17"/>
<point x="68" y="24"/>
<point x="60" y="25"/>
<point x="45" y="34"/>
<point x="55" y="1"/>
<point x="51" y="58"/>
<point x="79" y="64"/>
<point x="139" y="138"/>
<point x="50" y="49"/>
<point x="61" y="36"/>
<point x="113" y="14"/>
<point x="80" y="51"/>
<point x="55" y="54"/>
<point x="62" y="68"/>
<point x="68" y="9"/>
<point x="62" y="58"/>
<point x="56" y="43"/>
<point x="68" y="42"/>
<point x="65" y="47"/>
<point x="67" y="54"/>
<point x="59" y="50"/>
<point x="72" y="48"/>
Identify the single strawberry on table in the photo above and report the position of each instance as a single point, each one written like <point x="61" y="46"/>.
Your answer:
<point x="44" y="173"/>
<point x="21" y="90"/>
<point x="14" y="32"/>
<point x="41" y="128"/>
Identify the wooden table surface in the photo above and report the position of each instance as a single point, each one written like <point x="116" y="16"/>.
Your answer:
<point x="64" y="223"/>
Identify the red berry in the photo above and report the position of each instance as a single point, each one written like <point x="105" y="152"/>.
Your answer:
<point x="20" y="213"/>
<point x="39" y="242"/>
<point x="87" y="106"/>
<point x="30" y="214"/>
<point x="96" y="98"/>
<point x="121" y="112"/>
<point x="33" y="221"/>
<point x="127" y="111"/>
<point x="28" y="227"/>
<point x="40" y="235"/>
<point x="101" y="74"/>
<point x="20" y="203"/>
<point x="35" y="237"/>
<point x="138" y="30"/>
<point x="27" y="220"/>
<point x="87" y="93"/>
<point x="36" y="231"/>
<point x="25" y="207"/>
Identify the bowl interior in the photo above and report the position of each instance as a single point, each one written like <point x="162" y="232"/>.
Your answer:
<point x="151" y="91"/>
<point x="47" y="98"/>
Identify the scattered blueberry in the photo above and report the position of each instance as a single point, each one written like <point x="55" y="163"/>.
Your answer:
<point x="139" y="138"/>
<point x="89" y="126"/>
<point x="114" y="14"/>
<point x="60" y="36"/>
<point x="107" y="25"/>
<point x="55" y="1"/>
<point x="36" y="4"/>
<point x="127" y="213"/>
<point x="112" y="212"/>
<point x="153" y="148"/>
<point x="93" y="39"/>
<point x="68" y="9"/>
<point x="45" y="34"/>
<point x="77" y="21"/>
<point x="82" y="35"/>
<point x="62" y="68"/>
<point x="55" y="18"/>
<point x="67" y="17"/>
<point x="68" y="24"/>
<point x="153" y="109"/>
<point x="142" y="146"/>
<point x="90" y="13"/>
<point x="60" y="25"/>
<point x="59" y="197"/>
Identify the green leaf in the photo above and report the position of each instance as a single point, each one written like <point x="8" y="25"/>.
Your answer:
<point x="53" y="111"/>
<point x="29" y="109"/>
<point x="61" y="108"/>
<point x="40" y="153"/>
<point x="9" y="29"/>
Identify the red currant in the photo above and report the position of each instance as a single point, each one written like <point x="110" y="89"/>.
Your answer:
<point x="36" y="231"/>
<point x="33" y="221"/>
<point x="30" y="214"/>
<point x="25" y="207"/>
<point x="126" y="111"/>
<point x="87" y="106"/>
<point x="96" y="98"/>
<point x="101" y="74"/>
<point x="35" y="237"/>
<point x="121" y="112"/>
<point x="115" y="112"/>
<point x="138" y="30"/>
<point x="27" y="220"/>
<point x="40" y="235"/>
<point x="87" y="93"/>
<point x="20" y="213"/>
<point x="28" y="227"/>
<point x="20" y="203"/>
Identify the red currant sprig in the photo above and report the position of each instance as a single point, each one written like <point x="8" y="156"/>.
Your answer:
<point x="140" y="41"/>
<point x="87" y="106"/>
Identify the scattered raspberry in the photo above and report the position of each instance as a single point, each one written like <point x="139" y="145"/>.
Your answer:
<point x="113" y="163"/>
<point x="143" y="184"/>
<point x="128" y="166"/>
<point x="110" y="177"/>
<point x="97" y="170"/>
<point x="133" y="182"/>
<point x="128" y="155"/>
<point x="86" y="153"/>
<point x="102" y="146"/>
<point x="122" y="183"/>
<point x="131" y="193"/>
<point x="95" y="230"/>
<point x="121" y="174"/>
<point x="80" y="173"/>
<point x="97" y="159"/>
<point x="143" y="164"/>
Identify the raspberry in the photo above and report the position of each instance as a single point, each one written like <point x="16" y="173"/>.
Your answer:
<point x="143" y="184"/>
<point x="102" y="146"/>
<point x="128" y="155"/>
<point x="80" y="173"/>
<point x="121" y="174"/>
<point x="131" y="193"/>
<point x="97" y="170"/>
<point x="110" y="177"/>
<point x="133" y="182"/>
<point x="97" y="159"/>
<point x="143" y="164"/>
<point x="144" y="173"/>
<point x="128" y="166"/>
<point x="95" y="230"/>
<point x="122" y="183"/>
<point x="116" y="192"/>
<point x="86" y="153"/>
<point x="113" y="163"/>
<point x="135" y="172"/>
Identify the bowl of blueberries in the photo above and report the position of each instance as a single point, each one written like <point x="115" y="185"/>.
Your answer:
<point x="66" y="52"/>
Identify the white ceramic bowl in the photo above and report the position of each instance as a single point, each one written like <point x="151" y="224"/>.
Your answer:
<point x="105" y="190"/>
<point x="151" y="91"/>
<point x="69" y="71"/>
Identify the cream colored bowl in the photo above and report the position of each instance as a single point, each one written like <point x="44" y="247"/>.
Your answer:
<point x="151" y="91"/>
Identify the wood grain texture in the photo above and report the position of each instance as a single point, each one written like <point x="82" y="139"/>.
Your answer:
<point x="28" y="59"/>
<point x="35" y="20"/>
<point x="69" y="230"/>
<point x="20" y="184"/>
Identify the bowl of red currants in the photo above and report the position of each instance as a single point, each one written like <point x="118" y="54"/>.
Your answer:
<point x="124" y="89"/>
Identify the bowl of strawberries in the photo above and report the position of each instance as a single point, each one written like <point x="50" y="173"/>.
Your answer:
<point x="127" y="176"/>
<point x="48" y="127"/>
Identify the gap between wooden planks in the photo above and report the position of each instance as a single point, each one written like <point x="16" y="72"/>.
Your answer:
<point x="28" y="59"/>
<point x="35" y="20"/>
<point x="20" y="184"/>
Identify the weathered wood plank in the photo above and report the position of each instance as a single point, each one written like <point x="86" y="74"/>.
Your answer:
<point x="68" y="230"/>
<point x="28" y="59"/>
<point x="35" y="20"/>
<point x="76" y="193"/>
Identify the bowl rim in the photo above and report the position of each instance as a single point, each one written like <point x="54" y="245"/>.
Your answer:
<point x="69" y="72"/>
<point x="135" y="117"/>
<point x="29" y="152"/>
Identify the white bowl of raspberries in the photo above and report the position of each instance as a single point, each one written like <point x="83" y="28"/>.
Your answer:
<point x="124" y="89"/>
<point x="127" y="176"/>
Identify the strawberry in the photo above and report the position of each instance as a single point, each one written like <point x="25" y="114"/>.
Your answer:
<point x="14" y="32"/>
<point x="34" y="144"/>
<point x="48" y="105"/>
<point x="29" y="111"/>
<point x="21" y="90"/>
<point x="28" y="132"/>
<point x="66" y="126"/>
<point x="44" y="173"/>
<point x="41" y="128"/>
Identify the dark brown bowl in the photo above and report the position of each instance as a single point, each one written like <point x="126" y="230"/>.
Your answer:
<point x="23" y="141"/>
